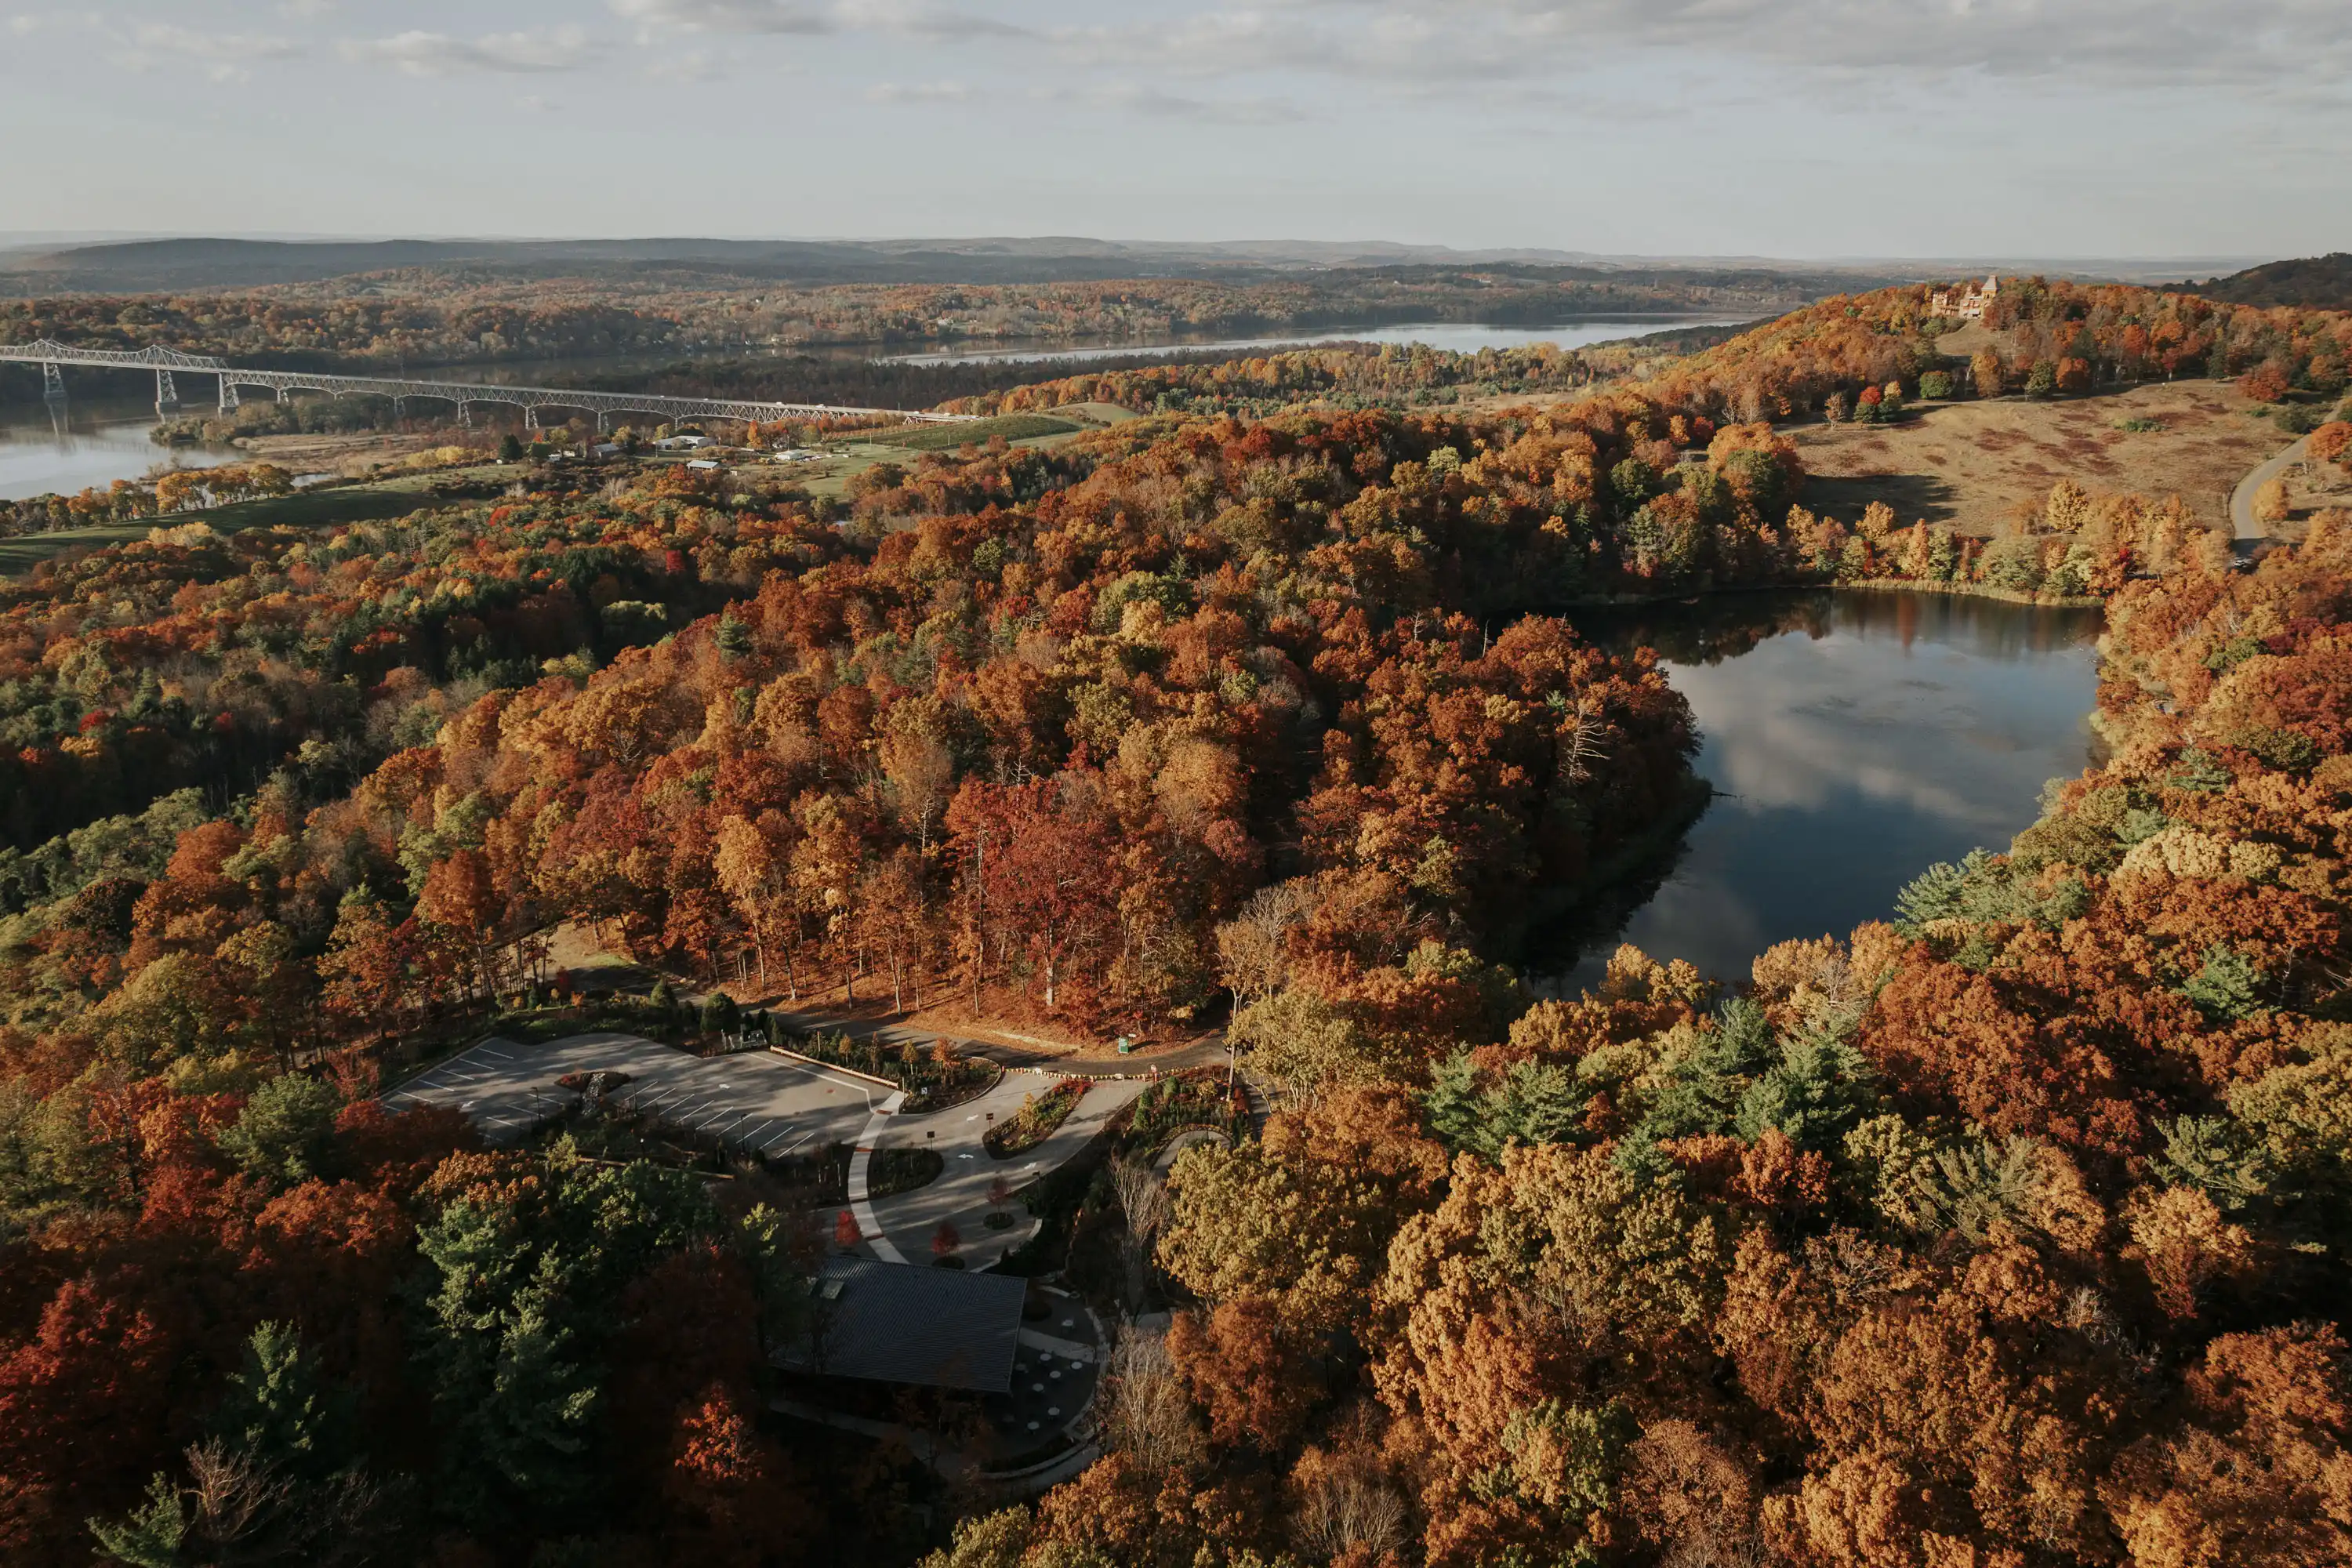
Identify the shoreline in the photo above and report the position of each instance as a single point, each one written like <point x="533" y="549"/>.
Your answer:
<point x="2034" y="600"/>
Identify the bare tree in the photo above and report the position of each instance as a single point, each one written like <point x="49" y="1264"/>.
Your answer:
<point x="1143" y="1199"/>
<point x="1348" y="1508"/>
<point x="1148" y="1416"/>
<point x="1251" y="947"/>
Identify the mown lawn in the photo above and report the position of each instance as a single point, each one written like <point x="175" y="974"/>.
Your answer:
<point x="979" y="432"/>
<point x="371" y="501"/>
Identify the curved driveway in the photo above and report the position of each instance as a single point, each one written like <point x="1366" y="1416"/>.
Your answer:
<point x="2242" y="499"/>
<point x="900" y="1228"/>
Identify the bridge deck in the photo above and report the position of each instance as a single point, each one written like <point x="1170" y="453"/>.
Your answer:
<point x="529" y="398"/>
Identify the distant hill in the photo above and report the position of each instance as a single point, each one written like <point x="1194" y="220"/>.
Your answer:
<point x="2311" y="282"/>
<point x="173" y="265"/>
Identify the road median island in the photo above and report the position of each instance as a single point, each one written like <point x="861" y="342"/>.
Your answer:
<point x="1039" y="1117"/>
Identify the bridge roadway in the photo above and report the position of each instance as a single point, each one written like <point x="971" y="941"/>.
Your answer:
<point x="165" y="363"/>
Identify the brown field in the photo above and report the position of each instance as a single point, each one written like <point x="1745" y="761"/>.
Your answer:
<point x="1970" y="464"/>
<point x="2313" y="486"/>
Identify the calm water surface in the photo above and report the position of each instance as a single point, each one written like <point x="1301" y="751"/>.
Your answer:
<point x="104" y="437"/>
<point x="1853" y="740"/>
<point x="1455" y="336"/>
<point x="94" y="445"/>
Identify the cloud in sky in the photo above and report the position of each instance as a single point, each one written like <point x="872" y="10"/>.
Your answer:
<point x="1802" y="127"/>
<point x="1134" y="98"/>
<point x="917" y="19"/>
<point x="2139" y="43"/>
<point x="2159" y="42"/>
<point x="918" y="92"/>
<point x="695" y="65"/>
<point x="165" y="40"/>
<point x="438" y="54"/>
<point x="657" y="17"/>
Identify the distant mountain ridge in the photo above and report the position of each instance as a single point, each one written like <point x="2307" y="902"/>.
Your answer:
<point x="2311" y="282"/>
<point x="145" y="264"/>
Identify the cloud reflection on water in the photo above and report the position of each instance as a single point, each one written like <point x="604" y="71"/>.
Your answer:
<point x="1853" y="739"/>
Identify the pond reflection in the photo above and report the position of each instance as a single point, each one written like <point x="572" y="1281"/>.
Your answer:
<point x="1852" y="739"/>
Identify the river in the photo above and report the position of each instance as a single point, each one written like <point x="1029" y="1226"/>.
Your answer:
<point x="96" y="444"/>
<point x="109" y="419"/>
<point x="1454" y="337"/>
<point x="1853" y="740"/>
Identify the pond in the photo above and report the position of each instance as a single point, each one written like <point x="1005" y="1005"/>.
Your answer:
<point x="1852" y="739"/>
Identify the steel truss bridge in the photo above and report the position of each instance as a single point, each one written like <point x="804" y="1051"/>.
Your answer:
<point x="167" y="363"/>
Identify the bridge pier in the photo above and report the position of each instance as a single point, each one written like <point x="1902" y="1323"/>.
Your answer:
<point x="53" y="386"/>
<point x="465" y="416"/>
<point x="531" y="416"/>
<point x="167" y="395"/>
<point x="228" y="395"/>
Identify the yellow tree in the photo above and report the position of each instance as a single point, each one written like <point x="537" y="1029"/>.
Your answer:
<point x="827" y="863"/>
<point x="758" y="879"/>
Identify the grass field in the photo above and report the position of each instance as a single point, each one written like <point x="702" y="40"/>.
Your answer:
<point x="1970" y="464"/>
<point x="26" y="551"/>
<point x="370" y="502"/>
<point x="948" y="438"/>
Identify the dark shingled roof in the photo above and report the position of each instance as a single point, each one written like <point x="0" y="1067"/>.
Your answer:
<point x="896" y="1323"/>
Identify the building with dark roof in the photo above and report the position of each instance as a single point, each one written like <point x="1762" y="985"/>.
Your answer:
<point x="896" y="1322"/>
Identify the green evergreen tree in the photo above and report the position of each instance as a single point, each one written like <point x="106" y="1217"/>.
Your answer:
<point x="150" y="1535"/>
<point x="1820" y="1087"/>
<point x="276" y="1410"/>
<point x="2228" y="988"/>
<point x="1451" y="1102"/>
<point x="285" y="1134"/>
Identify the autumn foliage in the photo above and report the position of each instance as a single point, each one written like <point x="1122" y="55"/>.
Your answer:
<point x="2004" y="1231"/>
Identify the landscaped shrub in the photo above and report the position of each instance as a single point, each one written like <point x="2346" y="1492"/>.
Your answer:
<point x="1199" y="1098"/>
<point x="932" y="1079"/>
<point x="1036" y="1121"/>
<point x="897" y="1171"/>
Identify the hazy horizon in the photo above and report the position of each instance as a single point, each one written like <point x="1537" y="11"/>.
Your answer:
<point x="24" y="242"/>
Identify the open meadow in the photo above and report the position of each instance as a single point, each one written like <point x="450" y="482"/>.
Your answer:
<point x="1970" y="465"/>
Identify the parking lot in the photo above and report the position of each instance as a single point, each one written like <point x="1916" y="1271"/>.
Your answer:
<point x="772" y="1105"/>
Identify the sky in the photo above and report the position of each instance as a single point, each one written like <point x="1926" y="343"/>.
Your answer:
<point x="1784" y="128"/>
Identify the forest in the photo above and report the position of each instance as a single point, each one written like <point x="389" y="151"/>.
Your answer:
<point x="424" y="316"/>
<point x="2000" y="1232"/>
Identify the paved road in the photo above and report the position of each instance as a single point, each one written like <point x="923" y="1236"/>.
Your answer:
<point x="2242" y="499"/>
<point x="903" y="1225"/>
<point x="779" y="1106"/>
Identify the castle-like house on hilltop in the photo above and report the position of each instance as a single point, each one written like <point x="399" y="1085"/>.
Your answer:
<point x="1969" y="305"/>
